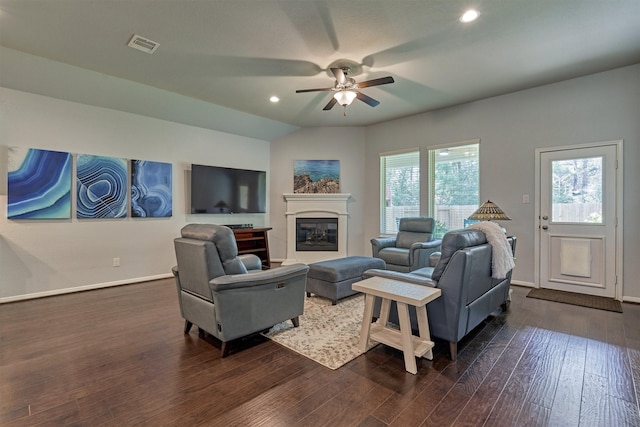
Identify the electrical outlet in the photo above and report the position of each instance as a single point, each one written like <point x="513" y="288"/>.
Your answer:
<point x="525" y="198"/>
<point x="116" y="262"/>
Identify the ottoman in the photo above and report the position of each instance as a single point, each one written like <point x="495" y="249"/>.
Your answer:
<point x="333" y="278"/>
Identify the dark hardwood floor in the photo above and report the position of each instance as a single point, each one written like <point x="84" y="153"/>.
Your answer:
<point x="118" y="357"/>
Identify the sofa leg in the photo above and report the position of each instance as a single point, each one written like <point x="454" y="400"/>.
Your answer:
<point x="453" y="350"/>
<point x="224" y="349"/>
<point x="295" y="321"/>
<point x="187" y="326"/>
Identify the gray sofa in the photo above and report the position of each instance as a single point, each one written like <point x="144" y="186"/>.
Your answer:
<point x="410" y="249"/>
<point x="469" y="294"/>
<point x="230" y="296"/>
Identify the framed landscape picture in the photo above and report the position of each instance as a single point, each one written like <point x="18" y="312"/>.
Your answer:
<point x="38" y="184"/>
<point x="151" y="194"/>
<point x="316" y="176"/>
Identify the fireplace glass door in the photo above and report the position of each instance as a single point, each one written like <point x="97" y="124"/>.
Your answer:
<point x="317" y="234"/>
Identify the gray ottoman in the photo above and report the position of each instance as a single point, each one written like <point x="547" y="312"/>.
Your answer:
<point x="332" y="279"/>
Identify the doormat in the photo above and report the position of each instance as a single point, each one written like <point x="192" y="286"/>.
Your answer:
<point x="601" y="303"/>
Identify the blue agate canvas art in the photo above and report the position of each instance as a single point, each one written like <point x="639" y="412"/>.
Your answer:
<point x="101" y="187"/>
<point x="151" y="194"/>
<point x="38" y="184"/>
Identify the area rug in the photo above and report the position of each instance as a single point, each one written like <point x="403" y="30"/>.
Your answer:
<point x="328" y="334"/>
<point x="590" y="301"/>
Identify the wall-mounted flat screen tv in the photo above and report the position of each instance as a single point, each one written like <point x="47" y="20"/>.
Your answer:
<point x="218" y="190"/>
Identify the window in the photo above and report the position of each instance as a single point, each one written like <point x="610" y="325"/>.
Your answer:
<point x="400" y="188"/>
<point x="454" y="186"/>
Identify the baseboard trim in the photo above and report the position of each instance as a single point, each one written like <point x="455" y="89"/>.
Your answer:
<point x="634" y="300"/>
<point x="91" y="287"/>
<point x="522" y="283"/>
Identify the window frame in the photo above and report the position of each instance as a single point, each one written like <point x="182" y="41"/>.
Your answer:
<point x="431" y="181"/>
<point x="384" y="230"/>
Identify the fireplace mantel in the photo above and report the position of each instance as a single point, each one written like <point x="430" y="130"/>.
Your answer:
<point x="309" y="205"/>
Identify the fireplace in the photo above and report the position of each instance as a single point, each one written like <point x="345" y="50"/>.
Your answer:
<point x="316" y="227"/>
<point x="317" y="234"/>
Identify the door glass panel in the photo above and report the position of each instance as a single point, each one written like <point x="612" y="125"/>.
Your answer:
<point x="577" y="190"/>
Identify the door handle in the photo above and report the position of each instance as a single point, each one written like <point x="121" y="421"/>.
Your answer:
<point x="544" y="227"/>
<point x="545" y="217"/>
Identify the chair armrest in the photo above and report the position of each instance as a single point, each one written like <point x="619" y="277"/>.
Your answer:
<point x="258" y="278"/>
<point x="420" y="253"/>
<point x="378" y="243"/>
<point x="251" y="262"/>
<point x="431" y="244"/>
<point x="434" y="258"/>
<point x="402" y="277"/>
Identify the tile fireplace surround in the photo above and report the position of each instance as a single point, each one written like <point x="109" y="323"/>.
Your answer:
<point x="305" y="205"/>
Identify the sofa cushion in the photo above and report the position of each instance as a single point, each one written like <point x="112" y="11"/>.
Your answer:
<point x="395" y="256"/>
<point x="453" y="241"/>
<point x="407" y="238"/>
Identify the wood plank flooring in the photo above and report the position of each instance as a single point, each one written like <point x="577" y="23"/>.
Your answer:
<point x="118" y="357"/>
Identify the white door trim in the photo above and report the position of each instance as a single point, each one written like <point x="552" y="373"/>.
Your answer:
<point x="619" y="204"/>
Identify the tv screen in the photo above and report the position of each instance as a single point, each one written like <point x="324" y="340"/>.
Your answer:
<point x="225" y="190"/>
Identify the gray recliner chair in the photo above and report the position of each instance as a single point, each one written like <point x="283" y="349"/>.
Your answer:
<point x="470" y="294"/>
<point x="410" y="249"/>
<point x="230" y="296"/>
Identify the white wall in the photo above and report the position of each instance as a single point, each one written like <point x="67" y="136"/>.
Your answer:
<point x="595" y="108"/>
<point x="39" y="257"/>
<point x="345" y="144"/>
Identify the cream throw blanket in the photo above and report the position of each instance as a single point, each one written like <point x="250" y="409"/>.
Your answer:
<point x="502" y="255"/>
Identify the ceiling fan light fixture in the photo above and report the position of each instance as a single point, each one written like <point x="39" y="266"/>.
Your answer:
<point x="469" y="16"/>
<point x="345" y="97"/>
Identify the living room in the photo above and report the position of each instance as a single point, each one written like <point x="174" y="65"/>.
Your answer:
<point x="81" y="257"/>
<point x="116" y="354"/>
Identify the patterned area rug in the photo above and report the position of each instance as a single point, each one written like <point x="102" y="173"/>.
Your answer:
<point x="328" y="334"/>
<point x="583" y="300"/>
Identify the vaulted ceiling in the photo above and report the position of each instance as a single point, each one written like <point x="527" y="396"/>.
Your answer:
<point x="239" y="53"/>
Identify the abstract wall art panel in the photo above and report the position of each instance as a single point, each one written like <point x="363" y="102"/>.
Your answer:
<point x="316" y="176"/>
<point x="38" y="184"/>
<point x="150" y="189"/>
<point x="102" y="187"/>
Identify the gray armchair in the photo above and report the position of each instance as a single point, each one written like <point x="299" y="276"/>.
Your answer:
<point x="469" y="292"/>
<point x="230" y="296"/>
<point x="410" y="249"/>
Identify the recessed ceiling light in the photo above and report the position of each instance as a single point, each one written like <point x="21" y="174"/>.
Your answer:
<point x="469" y="16"/>
<point x="274" y="99"/>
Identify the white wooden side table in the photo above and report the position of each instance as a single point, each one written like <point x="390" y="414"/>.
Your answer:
<point x="403" y="294"/>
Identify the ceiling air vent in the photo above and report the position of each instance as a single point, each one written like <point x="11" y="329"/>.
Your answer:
<point x="143" y="44"/>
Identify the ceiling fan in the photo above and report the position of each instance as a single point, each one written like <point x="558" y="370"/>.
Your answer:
<point x="346" y="89"/>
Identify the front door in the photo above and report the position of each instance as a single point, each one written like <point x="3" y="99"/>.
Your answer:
<point x="577" y="219"/>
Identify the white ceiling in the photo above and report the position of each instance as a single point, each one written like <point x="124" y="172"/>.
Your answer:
<point x="237" y="53"/>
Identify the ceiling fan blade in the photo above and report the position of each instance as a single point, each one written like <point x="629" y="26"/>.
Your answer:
<point x="367" y="99"/>
<point x="340" y="77"/>
<point x="330" y="105"/>
<point x="314" y="90"/>
<point x="376" y="82"/>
